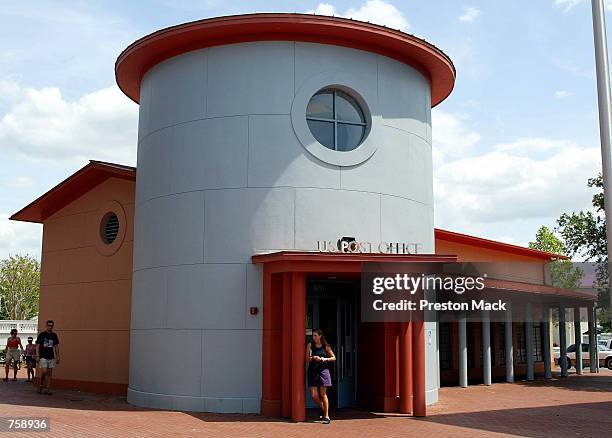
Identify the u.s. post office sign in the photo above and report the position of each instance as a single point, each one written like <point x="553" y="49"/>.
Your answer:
<point x="351" y="245"/>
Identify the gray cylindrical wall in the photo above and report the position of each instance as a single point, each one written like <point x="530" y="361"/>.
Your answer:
<point x="223" y="174"/>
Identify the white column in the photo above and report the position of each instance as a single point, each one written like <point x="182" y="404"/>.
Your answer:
<point x="486" y="347"/>
<point x="529" y="341"/>
<point x="562" y="342"/>
<point x="462" y="335"/>
<point x="508" y="346"/>
<point x="578" y="343"/>
<point x="592" y="342"/>
<point x="546" y="341"/>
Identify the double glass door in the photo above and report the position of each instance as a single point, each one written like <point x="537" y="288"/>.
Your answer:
<point x="330" y="306"/>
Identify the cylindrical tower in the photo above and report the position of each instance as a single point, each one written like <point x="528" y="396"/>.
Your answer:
<point x="261" y="133"/>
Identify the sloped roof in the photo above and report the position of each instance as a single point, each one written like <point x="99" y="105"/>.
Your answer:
<point x="71" y="188"/>
<point x="465" y="239"/>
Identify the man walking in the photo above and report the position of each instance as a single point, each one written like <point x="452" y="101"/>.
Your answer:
<point x="47" y="352"/>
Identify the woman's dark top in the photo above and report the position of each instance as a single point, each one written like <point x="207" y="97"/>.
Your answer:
<point x="321" y="352"/>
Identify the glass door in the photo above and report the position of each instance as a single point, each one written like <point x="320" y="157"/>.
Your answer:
<point x="330" y="307"/>
<point x="345" y="353"/>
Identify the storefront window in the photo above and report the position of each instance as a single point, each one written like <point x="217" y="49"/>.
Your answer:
<point x="537" y="343"/>
<point x="521" y="350"/>
<point x="446" y="354"/>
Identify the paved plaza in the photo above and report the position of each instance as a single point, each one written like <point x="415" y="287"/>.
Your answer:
<point x="576" y="406"/>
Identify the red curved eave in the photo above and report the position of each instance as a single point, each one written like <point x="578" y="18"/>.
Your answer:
<point x="145" y="53"/>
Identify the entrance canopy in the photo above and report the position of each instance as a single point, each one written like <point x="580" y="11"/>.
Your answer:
<point x="345" y="263"/>
<point x="284" y="318"/>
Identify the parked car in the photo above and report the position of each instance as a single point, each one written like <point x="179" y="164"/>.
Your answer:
<point x="605" y="356"/>
<point x="607" y="343"/>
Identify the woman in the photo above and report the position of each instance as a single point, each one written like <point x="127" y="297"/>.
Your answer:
<point x="319" y="354"/>
<point x="30" y="352"/>
<point x="13" y="354"/>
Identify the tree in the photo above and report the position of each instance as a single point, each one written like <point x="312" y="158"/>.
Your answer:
<point x="584" y="234"/>
<point x="19" y="287"/>
<point x="563" y="273"/>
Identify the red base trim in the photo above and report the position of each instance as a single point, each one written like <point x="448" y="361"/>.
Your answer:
<point x="119" y="389"/>
<point x="271" y="408"/>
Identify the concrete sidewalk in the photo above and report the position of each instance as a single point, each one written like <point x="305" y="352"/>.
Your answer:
<point x="576" y="406"/>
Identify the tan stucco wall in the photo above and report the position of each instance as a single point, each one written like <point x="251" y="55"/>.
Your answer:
<point x="88" y="293"/>
<point x="515" y="267"/>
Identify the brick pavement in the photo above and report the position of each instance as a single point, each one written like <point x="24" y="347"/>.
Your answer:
<point x="577" y="406"/>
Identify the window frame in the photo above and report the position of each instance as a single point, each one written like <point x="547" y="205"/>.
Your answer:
<point x="362" y="88"/>
<point x="108" y="208"/>
<point x="538" y="343"/>
<point x="445" y="347"/>
<point x="337" y="94"/>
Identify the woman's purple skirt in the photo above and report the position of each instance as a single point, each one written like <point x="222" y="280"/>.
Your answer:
<point x="319" y="377"/>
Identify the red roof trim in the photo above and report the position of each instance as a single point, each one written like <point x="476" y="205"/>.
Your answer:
<point x="71" y="188"/>
<point x="466" y="239"/>
<point x="142" y="55"/>
<point x="324" y="257"/>
<point x="539" y="289"/>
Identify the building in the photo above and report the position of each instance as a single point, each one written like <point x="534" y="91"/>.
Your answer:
<point x="25" y="328"/>
<point x="261" y="136"/>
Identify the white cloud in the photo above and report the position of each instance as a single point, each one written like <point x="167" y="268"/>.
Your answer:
<point x="42" y="125"/>
<point x="507" y="185"/>
<point x="535" y="145"/>
<point x="373" y="11"/>
<point x="570" y="67"/>
<point x="9" y="89"/>
<point x="324" y="9"/>
<point x="451" y="136"/>
<point x="562" y="94"/>
<point x="568" y="5"/>
<point x="19" y="183"/>
<point x="469" y="14"/>
<point x="511" y="188"/>
<point x="19" y="237"/>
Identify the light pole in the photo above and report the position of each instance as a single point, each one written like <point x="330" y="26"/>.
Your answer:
<point x="605" y="121"/>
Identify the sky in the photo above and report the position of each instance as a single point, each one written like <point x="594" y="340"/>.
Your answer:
<point x="513" y="145"/>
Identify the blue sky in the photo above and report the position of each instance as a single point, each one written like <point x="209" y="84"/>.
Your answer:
<point x="513" y="144"/>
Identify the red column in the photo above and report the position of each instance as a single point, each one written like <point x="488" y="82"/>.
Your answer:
<point x="298" y="346"/>
<point x="418" y="368"/>
<point x="286" y="345"/>
<point x="390" y="401"/>
<point x="271" y="366"/>
<point x="405" y="368"/>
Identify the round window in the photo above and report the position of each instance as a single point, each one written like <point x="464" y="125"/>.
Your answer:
<point x="110" y="228"/>
<point x="336" y="120"/>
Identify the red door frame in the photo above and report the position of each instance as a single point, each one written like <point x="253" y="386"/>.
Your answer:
<point x="284" y="326"/>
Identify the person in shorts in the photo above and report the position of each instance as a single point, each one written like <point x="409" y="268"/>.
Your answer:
<point x="47" y="352"/>
<point x="319" y="354"/>
<point x="30" y="351"/>
<point x="13" y="354"/>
